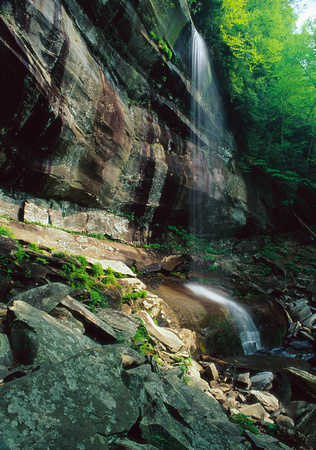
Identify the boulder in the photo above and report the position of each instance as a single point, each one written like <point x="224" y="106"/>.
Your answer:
<point x="126" y="444"/>
<point x="285" y="422"/>
<point x="256" y="411"/>
<point x="6" y="357"/>
<point x="66" y="318"/>
<point x="267" y="400"/>
<point x="134" y="381"/>
<point x="171" y="262"/>
<point x="262" y="381"/>
<point x="38" y="338"/>
<point x="78" y="403"/>
<point x="167" y="337"/>
<point x="94" y="326"/>
<point x="218" y="395"/>
<point x="116" y="266"/>
<point x="174" y="416"/>
<point x="130" y="357"/>
<point x="303" y="383"/>
<point x="310" y="321"/>
<point x="132" y="284"/>
<point x="265" y="442"/>
<point x="124" y="325"/>
<point x="301" y="311"/>
<point x="243" y="380"/>
<point x="152" y="304"/>
<point x="191" y="340"/>
<point x="304" y="416"/>
<point x="45" y="297"/>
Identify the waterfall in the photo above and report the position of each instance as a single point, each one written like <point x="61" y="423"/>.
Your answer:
<point x="199" y="64"/>
<point x="207" y="128"/>
<point x="207" y="125"/>
<point x="249" y="335"/>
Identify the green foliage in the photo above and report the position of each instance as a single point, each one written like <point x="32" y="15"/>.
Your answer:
<point x="142" y="342"/>
<point x="267" y="71"/>
<point x="185" y="241"/>
<point x="155" y="246"/>
<point x="184" y="363"/>
<point x="7" y="267"/>
<point x="134" y="295"/>
<point x="41" y="261"/>
<point x="98" y="236"/>
<point x="164" y="48"/>
<point x="33" y="246"/>
<point x="21" y="254"/>
<point x="97" y="301"/>
<point x="271" y="251"/>
<point x="142" y="333"/>
<point x="245" y="422"/>
<point x="162" y="45"/>
<point x="97" y="270"/>
<point x="4" y="231"/>
<point x="82" y="260"/>
<point x="272" y="428"/>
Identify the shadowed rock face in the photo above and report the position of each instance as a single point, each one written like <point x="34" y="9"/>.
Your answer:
<point x="95" y="113"/>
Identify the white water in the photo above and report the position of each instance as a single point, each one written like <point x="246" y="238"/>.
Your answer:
<point x="199" y="71"/>
<point x="207" y="122"/>
<point x="204" y="91"/>
<point x="249" y="335"/>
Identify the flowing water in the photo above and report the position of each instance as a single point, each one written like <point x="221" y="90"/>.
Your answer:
<point x="199" y="72"/>
<point x="206" y="127"/>
<point x="249" y="335"/>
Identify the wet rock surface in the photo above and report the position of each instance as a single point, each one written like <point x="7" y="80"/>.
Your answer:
<point x="98" y="121"/>
<point x="77" y="392"/>
<point x="259" y="399"/>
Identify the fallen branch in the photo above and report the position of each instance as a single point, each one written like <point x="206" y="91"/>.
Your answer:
<point x="305" y="226"/>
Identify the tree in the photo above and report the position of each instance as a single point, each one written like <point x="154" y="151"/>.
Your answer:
<point x="269" y="73"/>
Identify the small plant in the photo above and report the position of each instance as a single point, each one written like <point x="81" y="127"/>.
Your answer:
<point x="41" y="261"/>
<point x="97" y="301"/>
<point x="82" y="260"/>
<point x="97" y="270"/>
<point x="33" y="246"/>
<point x="21" y="254"/>
<point x="183" y="363"/>
<point x="272" y="429"/>
<point x="4" y="231"/>
<point x="245" y="422"/>
<point x="134" y="295"/>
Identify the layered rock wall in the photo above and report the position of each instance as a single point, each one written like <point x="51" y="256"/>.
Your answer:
<point x="96" y="110"/>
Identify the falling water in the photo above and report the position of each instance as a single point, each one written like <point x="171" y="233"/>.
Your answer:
<point x="207" y="127"/>
<point x="199" y="70"/>
<point x="249" y="335"/>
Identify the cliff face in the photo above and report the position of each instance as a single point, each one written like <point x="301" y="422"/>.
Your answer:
<point x="96" y="109"/>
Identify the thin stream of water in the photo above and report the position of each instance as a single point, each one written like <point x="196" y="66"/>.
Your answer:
<point x="249" y="335"/>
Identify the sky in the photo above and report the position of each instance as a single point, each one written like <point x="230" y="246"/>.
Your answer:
<point x="309" y="11"/>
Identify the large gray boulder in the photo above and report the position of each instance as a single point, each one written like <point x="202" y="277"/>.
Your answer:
<point x="186" y="418"/>
<point x="36" y="337"/>
<point x="124" y="325"/>
<point x="80" y="403"/>
<point x="93" y="325"/>
<point x="44" y="297"/>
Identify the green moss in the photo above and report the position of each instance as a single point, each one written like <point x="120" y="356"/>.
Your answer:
<point x="4" y="231"/>
<point x="134" y="295"/>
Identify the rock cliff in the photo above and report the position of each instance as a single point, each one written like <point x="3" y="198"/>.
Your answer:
<point x="96" y="110"/>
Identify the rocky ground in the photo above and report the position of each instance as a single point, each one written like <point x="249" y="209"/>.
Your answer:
<point x="75" y="370"/>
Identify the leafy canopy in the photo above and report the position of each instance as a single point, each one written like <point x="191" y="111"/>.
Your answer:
<point x="267" y="69"/>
